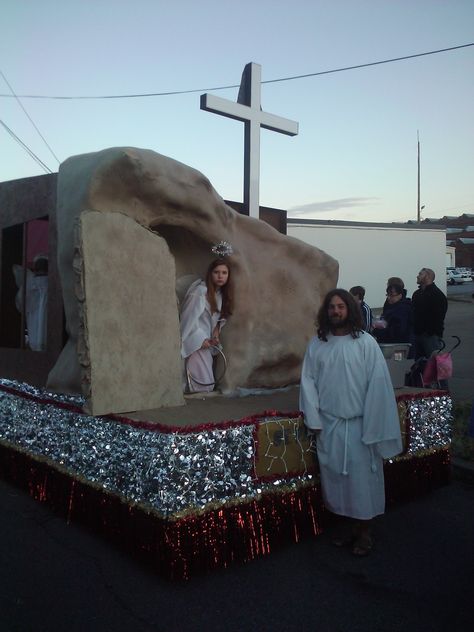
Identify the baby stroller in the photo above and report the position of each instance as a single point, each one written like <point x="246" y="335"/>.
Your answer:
<point x="432" y="371"/>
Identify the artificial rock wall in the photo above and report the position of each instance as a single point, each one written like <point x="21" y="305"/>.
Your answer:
<point x="147" y="199"/>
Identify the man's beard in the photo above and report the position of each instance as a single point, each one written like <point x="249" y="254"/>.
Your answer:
<point x="336" y="322"/>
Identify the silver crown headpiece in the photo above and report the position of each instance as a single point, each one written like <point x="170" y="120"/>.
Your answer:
<point x="222" y="249"/>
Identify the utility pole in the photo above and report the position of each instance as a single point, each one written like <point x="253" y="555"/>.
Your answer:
<point x="418" y="209"/>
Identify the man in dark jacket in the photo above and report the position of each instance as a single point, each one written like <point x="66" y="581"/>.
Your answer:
<point x="429" y="308"/>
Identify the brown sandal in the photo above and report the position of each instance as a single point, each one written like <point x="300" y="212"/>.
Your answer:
<point x="341" y="541"/>
<point x="363" y="545"/>
<point x="342" y="535"/>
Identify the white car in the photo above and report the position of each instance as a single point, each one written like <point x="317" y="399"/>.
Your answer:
<point x="466" y="273"/>
<point x="455" y="276"/>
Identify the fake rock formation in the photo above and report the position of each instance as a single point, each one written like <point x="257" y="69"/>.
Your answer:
<point x="170" y="208"/>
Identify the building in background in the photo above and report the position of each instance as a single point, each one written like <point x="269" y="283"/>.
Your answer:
<point x="459" y="235"/>
<point x="27" y="231"/>
<point x="369" y="253"/>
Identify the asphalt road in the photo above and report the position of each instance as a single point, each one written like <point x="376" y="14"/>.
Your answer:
<point x="462" y="288"/>
<point x="58" y="578"/>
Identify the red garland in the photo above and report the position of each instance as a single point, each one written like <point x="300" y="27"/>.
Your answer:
<point x="402" y="397"/>
<point x="156" y="426"/>
<point x="41" y="400"/>
<point x="187" y="546"/>
<point x="219" y="425"/>
<point x="180" y="548"/>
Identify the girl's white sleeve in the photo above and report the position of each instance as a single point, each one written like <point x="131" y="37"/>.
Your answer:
<point x="192" y="323"/>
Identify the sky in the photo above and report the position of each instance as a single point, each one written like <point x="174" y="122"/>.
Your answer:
<point x="355" y="157"/>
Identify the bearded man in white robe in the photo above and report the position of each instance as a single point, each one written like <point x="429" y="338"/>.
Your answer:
<point x="349" y="404"/>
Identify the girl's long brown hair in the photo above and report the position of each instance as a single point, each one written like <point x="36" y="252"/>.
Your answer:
<point x="226" y="290"/>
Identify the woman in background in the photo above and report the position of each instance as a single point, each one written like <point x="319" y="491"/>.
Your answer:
<point x="397" y="319"/>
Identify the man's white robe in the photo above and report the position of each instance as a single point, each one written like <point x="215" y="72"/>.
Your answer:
<point x="346" y="394"/>
<point x="197" y="324"/>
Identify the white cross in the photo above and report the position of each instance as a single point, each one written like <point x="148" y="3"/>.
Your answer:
<point x="248" y="109"/>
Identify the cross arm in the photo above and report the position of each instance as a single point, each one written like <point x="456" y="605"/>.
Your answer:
<point x="278" y="124"/>
<point x="214" y="104"/>
<point x="240" y="112"/>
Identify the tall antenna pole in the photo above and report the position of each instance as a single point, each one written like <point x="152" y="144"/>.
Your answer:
<point x="418" y="211"/>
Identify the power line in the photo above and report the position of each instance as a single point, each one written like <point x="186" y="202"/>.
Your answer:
<point x="373" y="63"/>
<point x="216" y="88"/>
<point x="29" y="117"/>
<point x="26" y="148"/>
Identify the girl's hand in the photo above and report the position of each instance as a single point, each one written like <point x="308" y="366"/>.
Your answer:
<point x="206" y="343"/>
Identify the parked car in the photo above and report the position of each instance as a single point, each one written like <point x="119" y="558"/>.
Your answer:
<point x="454" y="276"/>
<point x="466" y="272"/>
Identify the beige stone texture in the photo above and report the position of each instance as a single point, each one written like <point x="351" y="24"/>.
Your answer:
<point x="277" y="281"/>
<point x="129" y="341"/>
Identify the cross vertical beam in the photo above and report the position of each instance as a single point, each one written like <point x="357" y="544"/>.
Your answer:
<point x="248" y="110"/>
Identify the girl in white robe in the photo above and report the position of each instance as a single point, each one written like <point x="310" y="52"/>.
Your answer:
<point x="203" y="314"/>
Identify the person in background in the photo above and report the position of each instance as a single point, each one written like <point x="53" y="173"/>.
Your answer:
<point x="397" y="317"/>
<point x="395" y="281"/>
<point x="36" y="309"/>
<point x="429" y="310"/>
<point x="358" y="292"/>
<point x="349" y="404"/>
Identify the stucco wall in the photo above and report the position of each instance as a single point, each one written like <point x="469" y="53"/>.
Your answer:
<point x="22" y="201"/>
<point x="368" y="255"/>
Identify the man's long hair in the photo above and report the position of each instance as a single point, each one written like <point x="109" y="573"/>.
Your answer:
<point x="226" y="290"/>
<point x="354" y="315"/>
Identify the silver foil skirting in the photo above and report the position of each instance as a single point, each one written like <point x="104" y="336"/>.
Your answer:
<point x="168" y="472"/>
<point x="429" y="422"/>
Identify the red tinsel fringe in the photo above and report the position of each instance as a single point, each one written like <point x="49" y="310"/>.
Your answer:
<point x="181" y="548"/>
<point x="409" y="478"/>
